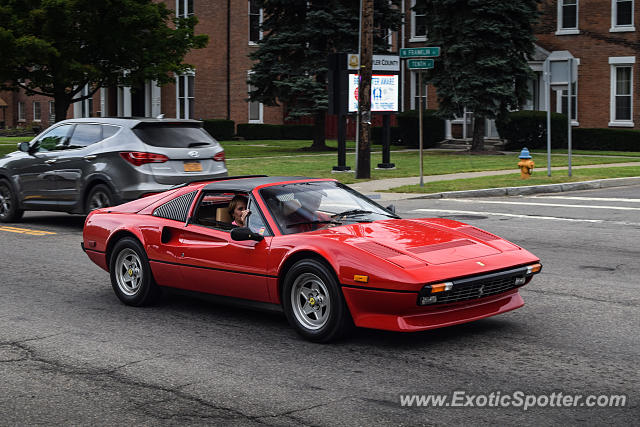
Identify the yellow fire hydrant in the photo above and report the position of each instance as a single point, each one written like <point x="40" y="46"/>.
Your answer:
<point x="525" y="164"/>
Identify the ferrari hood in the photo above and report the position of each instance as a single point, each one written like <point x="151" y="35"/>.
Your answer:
<point x="432" y="241"/>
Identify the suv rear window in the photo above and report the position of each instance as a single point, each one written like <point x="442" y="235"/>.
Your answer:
<point x="173" y="135"/>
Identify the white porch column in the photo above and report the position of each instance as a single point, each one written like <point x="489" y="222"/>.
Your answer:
<point x="156" y="99"/>
<point x="103" y="102"/>
<point x="447" y="129"/>
<point x="126" y="101"/>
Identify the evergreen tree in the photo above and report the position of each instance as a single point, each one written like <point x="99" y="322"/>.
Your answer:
<point x="291" y="60"/>
<point x="483" y="63"/>
<point x="57" y="47"/>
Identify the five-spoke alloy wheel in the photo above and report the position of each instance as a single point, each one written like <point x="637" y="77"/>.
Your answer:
<point x="313" y="302"/>
<point x="131" y="276"/>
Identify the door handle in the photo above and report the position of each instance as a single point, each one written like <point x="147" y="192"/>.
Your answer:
<point x="90" y="157"/>
<point x="50" y="161"/>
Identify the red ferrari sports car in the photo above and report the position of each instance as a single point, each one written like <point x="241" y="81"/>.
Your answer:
<point x="327" y="255"/>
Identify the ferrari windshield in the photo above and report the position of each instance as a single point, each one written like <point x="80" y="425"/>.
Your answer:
<point x="308" y="206"/>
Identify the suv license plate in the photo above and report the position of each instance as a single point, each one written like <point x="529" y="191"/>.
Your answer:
<point x="192" y="167"/>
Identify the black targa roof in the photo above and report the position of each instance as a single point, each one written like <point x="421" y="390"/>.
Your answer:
<point x="246" y="184"/>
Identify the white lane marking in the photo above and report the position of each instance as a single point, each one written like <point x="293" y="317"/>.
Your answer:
<point x="558" y="205"/>
<point x="507" y="214"/>
<point x="595" y="199"/>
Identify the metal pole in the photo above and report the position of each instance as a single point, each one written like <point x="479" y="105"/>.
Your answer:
<point x="547" y="73"/>
<point x="358" y="109"/>
<point x="569" y="102"/>
<point x="420" y="124"/>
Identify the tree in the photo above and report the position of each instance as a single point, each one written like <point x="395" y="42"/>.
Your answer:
<point x="483" y="63"/>
<point x="291" y="59"/>
<point x="57" y="47"/>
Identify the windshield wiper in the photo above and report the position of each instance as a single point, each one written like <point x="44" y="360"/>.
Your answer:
<point x="359" y="212"/>
<point x="297" y="224"/>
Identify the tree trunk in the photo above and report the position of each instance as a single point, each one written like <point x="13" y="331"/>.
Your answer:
<point x="61" y="106"/>
<point x="477" y="144"/>
<point x="319" y="142"/>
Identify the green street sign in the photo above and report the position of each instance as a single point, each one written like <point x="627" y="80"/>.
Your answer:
<point x="419" y="52"/>
<point x="420" y="64"/>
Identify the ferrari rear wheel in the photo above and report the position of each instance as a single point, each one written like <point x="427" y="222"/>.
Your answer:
<point x="9" y="211"/>
<point x="313" y="302"/>
<point x="131" y="276"/>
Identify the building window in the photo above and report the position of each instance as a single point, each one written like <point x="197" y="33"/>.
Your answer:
<point x="256" y="109"/>
<point x="52" y="111"/>
<point x="622" y="15"/>
<point x="567" y="17"/>
<point x="185" y="95"/>
<point x="255" y="21"/>
<point x="574" y="102"/>
<point x="21" y="112"/>
<point x="621" y="91"/>
<point x="36" y="112"/>
<point x="415" y="91"/>
<point x="184" y="8"/>
<point x="418" y="24"/>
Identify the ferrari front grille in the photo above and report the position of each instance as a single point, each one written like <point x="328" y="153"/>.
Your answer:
<point x="475" y="287"/>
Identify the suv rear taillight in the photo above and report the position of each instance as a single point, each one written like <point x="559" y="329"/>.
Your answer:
<point x="219" y="157"/>
<point x="138" y="158"/>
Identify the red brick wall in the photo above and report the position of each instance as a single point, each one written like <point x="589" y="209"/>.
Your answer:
<point x="593" y="46"/>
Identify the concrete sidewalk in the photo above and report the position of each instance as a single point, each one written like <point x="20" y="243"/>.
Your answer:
<point x="374" y="188"/>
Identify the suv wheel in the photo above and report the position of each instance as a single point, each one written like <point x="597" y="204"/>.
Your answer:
<point x="99" y="197"/>
<point x="9" y="211"/>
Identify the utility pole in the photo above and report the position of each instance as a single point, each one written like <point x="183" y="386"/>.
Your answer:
<point x="364" y="91"/>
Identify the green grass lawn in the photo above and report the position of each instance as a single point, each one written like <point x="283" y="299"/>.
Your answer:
<point x="514" y="180"/>
<point x="407" y="164"/>
<point x="592" y="152"/>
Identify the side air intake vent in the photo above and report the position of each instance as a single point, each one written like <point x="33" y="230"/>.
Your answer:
<point x="177" y="208"/>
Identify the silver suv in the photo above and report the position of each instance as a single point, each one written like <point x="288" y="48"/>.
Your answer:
<point x="83" y="164"/>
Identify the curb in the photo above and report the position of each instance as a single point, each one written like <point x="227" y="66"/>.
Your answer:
<point x="534" y="189"/>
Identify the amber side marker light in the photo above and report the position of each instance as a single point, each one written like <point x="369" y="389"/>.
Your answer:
<point x="535" y="268"/>
<point x="361" y="278"/>
<point x="441" y="287"/>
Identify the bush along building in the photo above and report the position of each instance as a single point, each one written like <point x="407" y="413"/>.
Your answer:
<point x="601" y="35"/>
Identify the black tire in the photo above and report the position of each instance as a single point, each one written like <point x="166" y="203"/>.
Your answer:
<point x="99" y="197"/>
<point x="131" y="276"/>
<point x="313" y="302"/>
<point x="9" y="211"/>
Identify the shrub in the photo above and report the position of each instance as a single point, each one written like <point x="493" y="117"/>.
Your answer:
<point x="376" y="135"/>
<point x="259" y="131"/>
<point x="606" y="139"/>
<point x="408" y="124"/>
<point x="529" y="129"/>
<point x="219" y="128"/>
<point x="297" y="131"/>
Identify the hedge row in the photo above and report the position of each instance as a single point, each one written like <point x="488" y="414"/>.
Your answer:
<point x="407" y="131"/>
<point x="220" y="129"/>
<point x="263" y="131"/>
<point x="529" y="129"/>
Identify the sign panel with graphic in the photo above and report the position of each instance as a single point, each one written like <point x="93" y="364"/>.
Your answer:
<point x="384" y="92"/>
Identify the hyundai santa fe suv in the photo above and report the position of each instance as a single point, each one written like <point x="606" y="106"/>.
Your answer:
<point x="79" y="165"/>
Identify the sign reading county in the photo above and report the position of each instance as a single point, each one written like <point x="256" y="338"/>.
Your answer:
<point x="384" y="93"/>
<point x="379" y="62"/>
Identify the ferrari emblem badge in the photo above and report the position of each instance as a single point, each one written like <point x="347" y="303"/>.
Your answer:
<point x="130" y="272"/>
<point x="312" y="301"/>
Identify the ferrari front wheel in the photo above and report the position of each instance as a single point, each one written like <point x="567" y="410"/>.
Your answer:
<point x="131" y="276"/>
<point x="313" y="302"/>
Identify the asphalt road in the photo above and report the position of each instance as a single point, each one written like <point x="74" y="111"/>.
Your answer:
<point x="70" y="353"/>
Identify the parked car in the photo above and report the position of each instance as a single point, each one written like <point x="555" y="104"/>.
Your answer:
<point x="79" y="165"/>
<point x="321" y="252"/>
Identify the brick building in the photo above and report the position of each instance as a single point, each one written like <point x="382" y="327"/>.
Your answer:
<point x="601" y="34"/>
<point x="215" y="89"/>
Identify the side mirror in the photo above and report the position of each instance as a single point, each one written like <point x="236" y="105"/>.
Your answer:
<point x="244" y="233"/>
<point x="391" y="208"/>
<point x="24" y="146"/>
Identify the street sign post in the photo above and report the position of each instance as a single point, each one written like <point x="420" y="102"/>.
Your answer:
<point x="420" y="64"/>
<point x="419" y="52"/>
